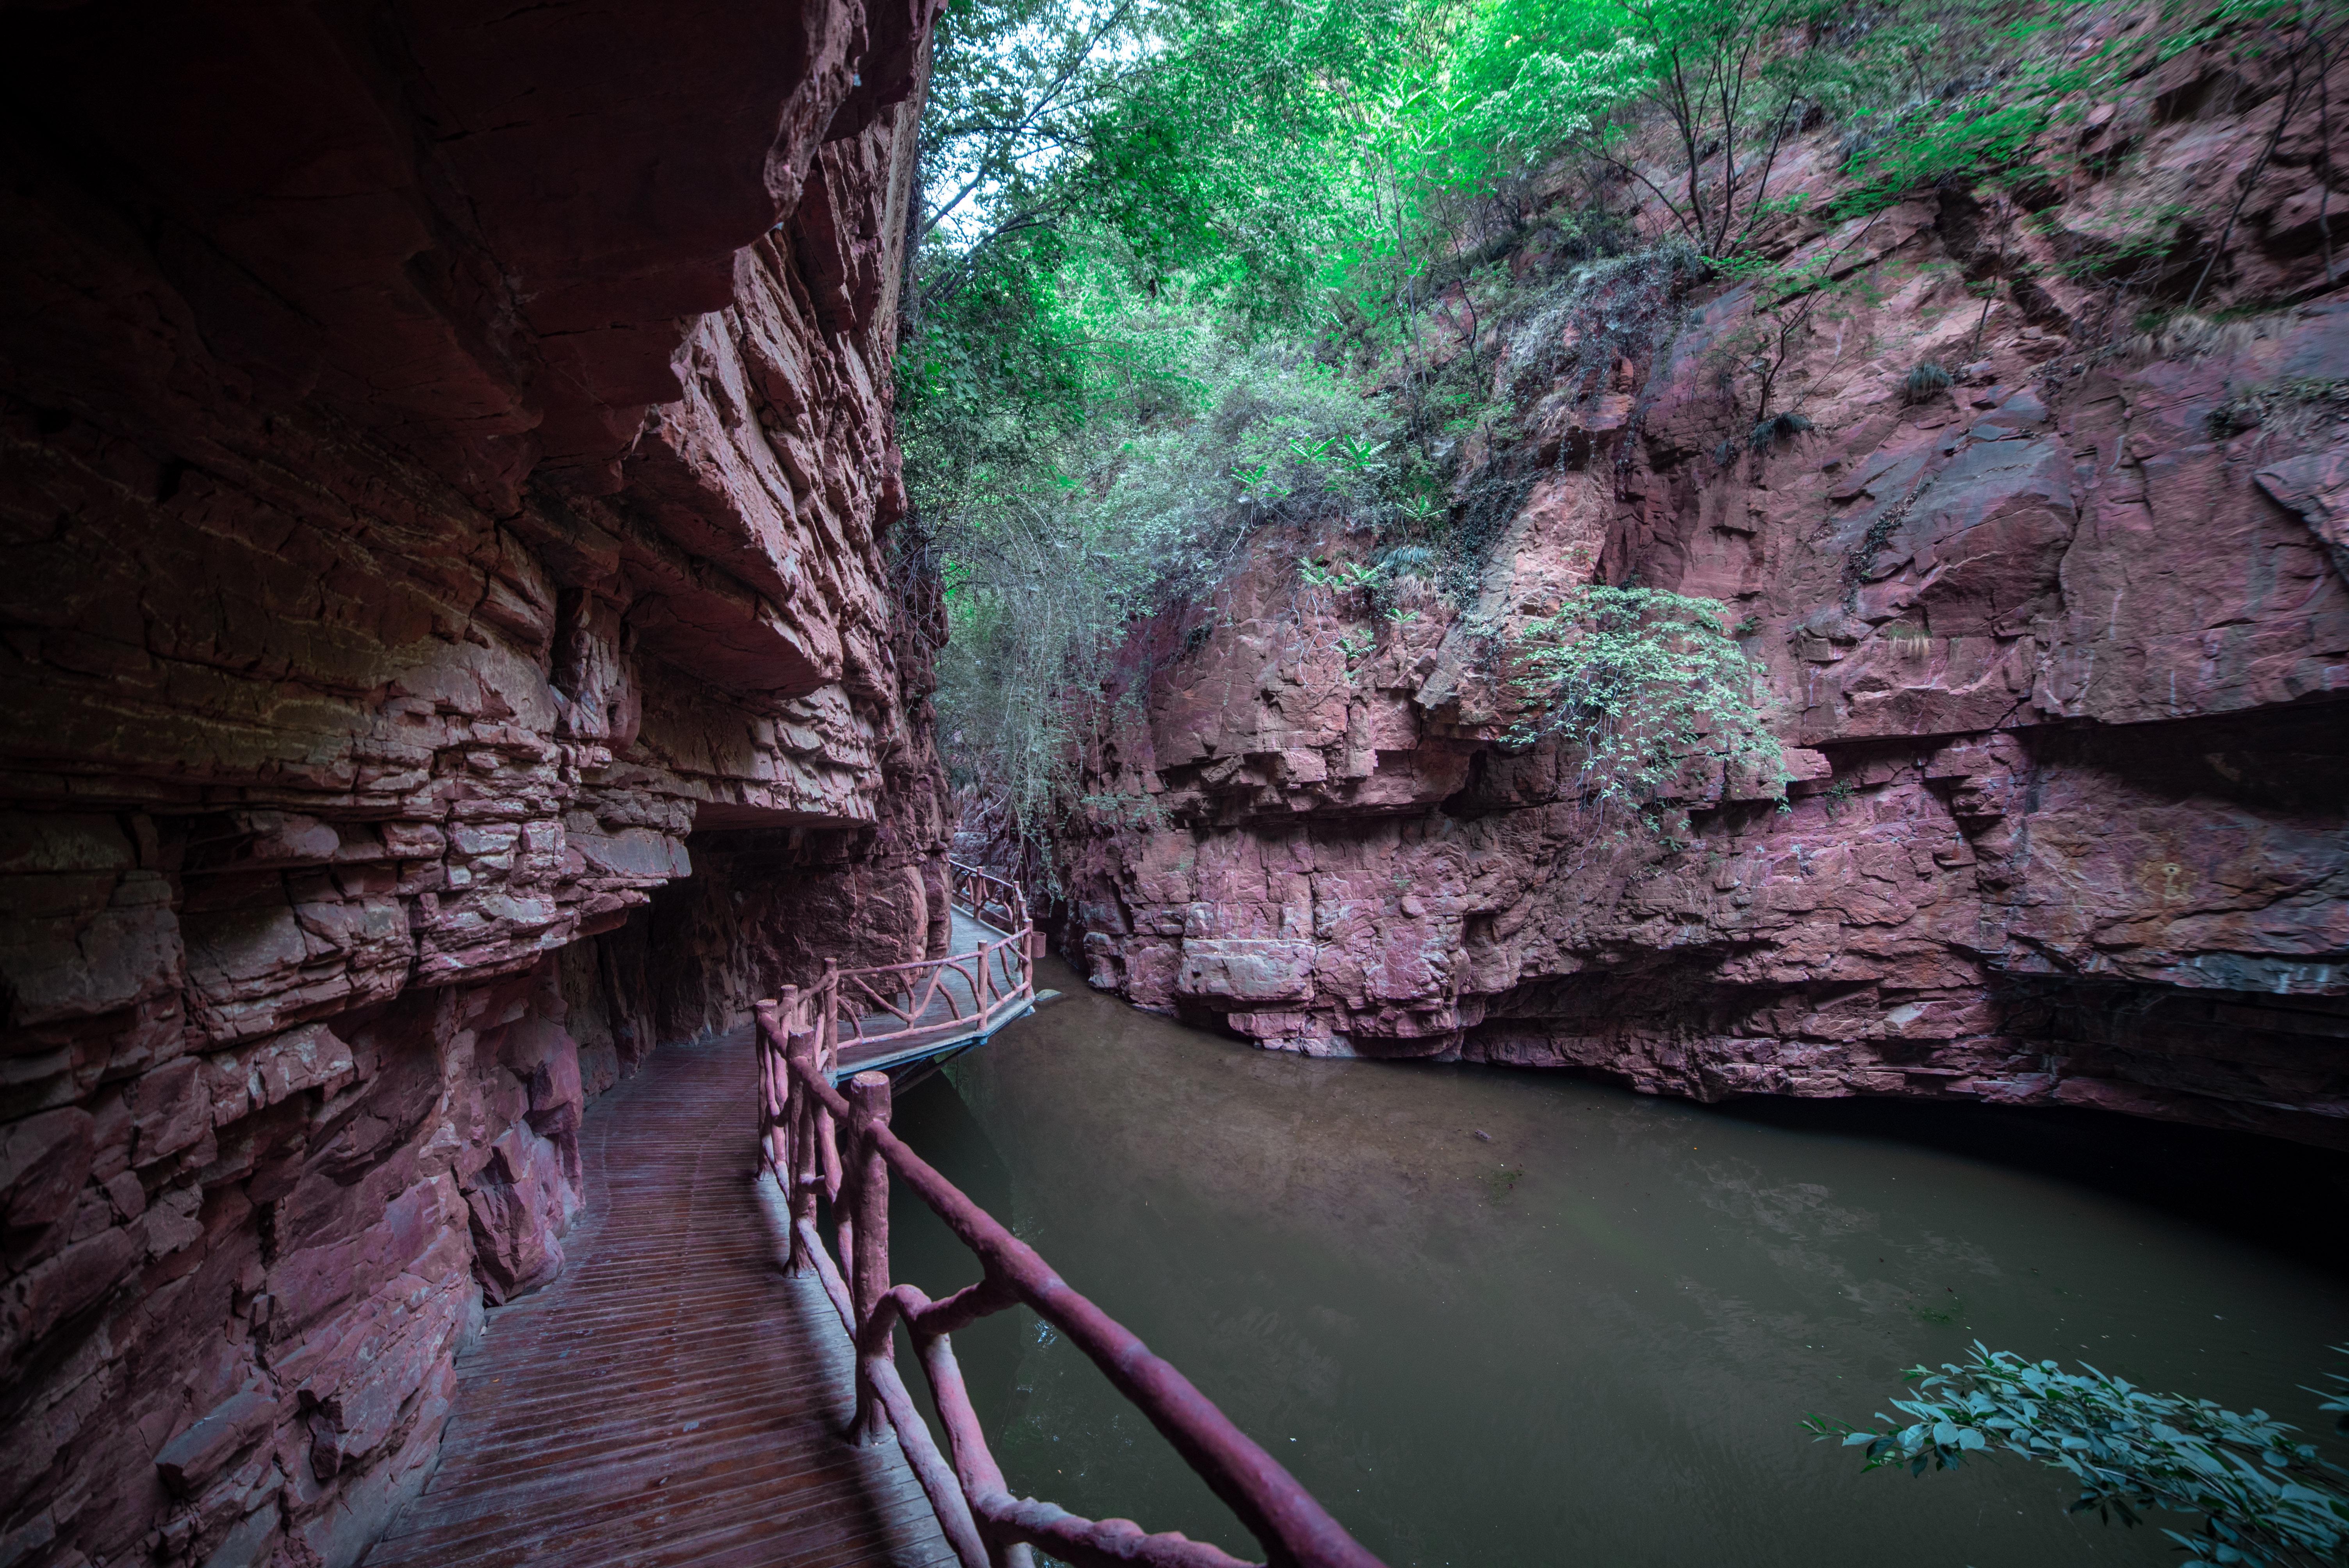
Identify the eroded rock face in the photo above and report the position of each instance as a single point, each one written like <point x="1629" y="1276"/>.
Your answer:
<point x="447" y="472"/>
<point x="2056" y="654"/>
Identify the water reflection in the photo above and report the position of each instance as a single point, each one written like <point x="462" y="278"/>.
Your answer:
<point x="1496" y="1317"/>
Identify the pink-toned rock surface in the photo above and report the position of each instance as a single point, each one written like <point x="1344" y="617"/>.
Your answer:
<point x="451" y="644"/>
<point x="2056" y="655"/>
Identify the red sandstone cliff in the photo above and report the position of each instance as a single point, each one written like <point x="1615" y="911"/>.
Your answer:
<point x="450" y="644"/>
<point x="2057" y="653"/>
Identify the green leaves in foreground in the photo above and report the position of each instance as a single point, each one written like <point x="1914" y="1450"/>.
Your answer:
<point x="2266" y="1498"/>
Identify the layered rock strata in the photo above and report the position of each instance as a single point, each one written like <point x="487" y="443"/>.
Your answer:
<point x="451" y="644"/>
<point x="2052" y="639"/>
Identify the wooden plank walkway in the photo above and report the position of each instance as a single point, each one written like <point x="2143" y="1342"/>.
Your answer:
<point x="672" y="1400"/>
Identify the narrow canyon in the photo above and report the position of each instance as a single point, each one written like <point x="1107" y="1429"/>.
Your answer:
<point x="467" y="626"/>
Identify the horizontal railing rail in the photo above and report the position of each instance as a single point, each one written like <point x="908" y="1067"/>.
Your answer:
<point x="818" y="1144"/>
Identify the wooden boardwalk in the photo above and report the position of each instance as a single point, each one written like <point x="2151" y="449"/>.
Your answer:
<point x="970" y="935"/>
<point x="672" y="1400"/>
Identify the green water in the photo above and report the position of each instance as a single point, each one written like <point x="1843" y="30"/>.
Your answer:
<point x="1589" y="1335"/>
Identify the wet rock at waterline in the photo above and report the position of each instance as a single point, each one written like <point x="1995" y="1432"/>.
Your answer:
<point x="449" y="647"/>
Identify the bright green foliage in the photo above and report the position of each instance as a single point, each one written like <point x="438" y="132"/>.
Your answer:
<point x="1982" y="136"/>
<point x="1190" y="266"/>
<point x="1640" y="685"/>
<point x="2266" y="1498"/>
<point x="2009" y="79"/>
<point x="1014" y="86"/>
<point x="1720" y="74"/>
<point x="1958" y="95"/>
<point x="1224" y="162"/>
<point x="1083" y="528"/>
<point x="1345" y="577"/>
<point x="2258" y="26"/>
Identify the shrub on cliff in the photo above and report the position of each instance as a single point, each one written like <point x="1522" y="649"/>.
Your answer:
<point x="2266" y="1498"/>
<point x="1641" y="688"/>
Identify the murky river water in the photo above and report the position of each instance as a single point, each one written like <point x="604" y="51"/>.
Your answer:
<point x="1590" y="1339"/>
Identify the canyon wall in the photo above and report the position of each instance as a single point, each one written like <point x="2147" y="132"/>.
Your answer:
<point x="2053" y="647"/>
<point x="451" y="645"/>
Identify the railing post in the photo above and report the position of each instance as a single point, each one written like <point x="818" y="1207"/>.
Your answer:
<point x="775" y="1083"/>
<point x="868" y="1110"/>
<point x="975" y="1467"/>
<point x="828" y="1023"/>
<point x="761" y="1032"/>
<point x="807" y="1160"/>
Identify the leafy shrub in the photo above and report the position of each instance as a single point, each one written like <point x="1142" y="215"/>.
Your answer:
<point x="1982" y="135"/>
<point x="1784" y="426"/>
<point x="1634" y="682"/>
<point x="2266" y="1498"/>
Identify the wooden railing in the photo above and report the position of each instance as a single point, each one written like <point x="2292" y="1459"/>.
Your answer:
<point x="820" y="1143"/>
<point x="898" y="1008"/>
<point x="996" y="900"/>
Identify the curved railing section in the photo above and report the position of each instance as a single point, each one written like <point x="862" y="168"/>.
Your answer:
<point x="894" y="1011"/>
<point x="817" y="1142"/>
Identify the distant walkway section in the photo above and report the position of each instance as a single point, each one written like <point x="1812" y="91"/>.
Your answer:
<point x="933" y="1008"/>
